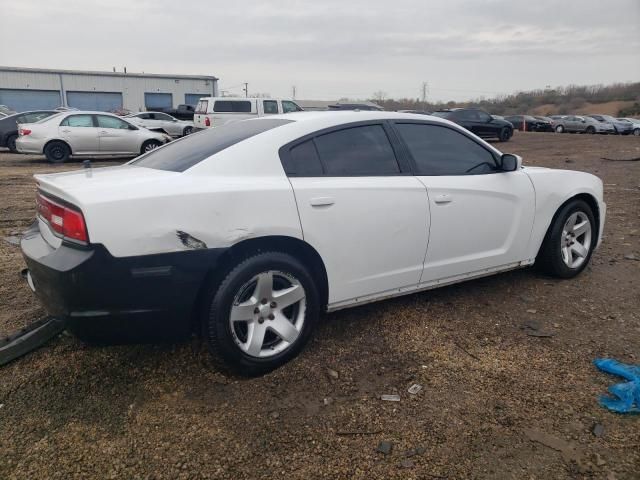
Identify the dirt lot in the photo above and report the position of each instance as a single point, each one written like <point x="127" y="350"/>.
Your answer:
<point x="496" y="403"/>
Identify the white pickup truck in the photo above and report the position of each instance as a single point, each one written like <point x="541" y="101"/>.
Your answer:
<point x="216" y="111"/>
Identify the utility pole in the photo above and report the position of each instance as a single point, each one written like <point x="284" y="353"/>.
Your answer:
<point x="293" y="92"/>
<point x="246" y="89"/>
<point x="425" y="90"/>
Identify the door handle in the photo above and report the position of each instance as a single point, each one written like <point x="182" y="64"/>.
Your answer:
<point x="104" y="132"/>
<point x="321" y="201"/>
<point x="442" y="199"/>
<point x="66" y="131"/>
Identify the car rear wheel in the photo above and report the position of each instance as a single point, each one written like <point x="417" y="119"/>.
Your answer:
<point x="187" y="131"/>
<point x="11" y="143"/>
<point x="636" y="132"/>
<point x="559" y="129"/>
<point x="569" y="242"/>
<point x="149" y="145"/>
<point x="505" y="134"/>
<point x="262" y="313"/>
<point x="591" y="130"/>
<point x="57" y="152"/>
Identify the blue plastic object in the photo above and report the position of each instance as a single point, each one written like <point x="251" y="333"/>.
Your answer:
<point x="627" y="393"/>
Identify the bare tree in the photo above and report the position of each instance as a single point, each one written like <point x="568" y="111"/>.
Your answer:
<point x="380" y="96"/>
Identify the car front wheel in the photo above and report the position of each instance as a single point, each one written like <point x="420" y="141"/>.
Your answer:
<point x="559" y="129"/>
<point x="505" y="134"/>
<point x="187" y="131"/>
<point x="636" y="132"/>
<point x="149" y="145"/>
<point x="569" y="242"/>
<point x="262" y="313"/>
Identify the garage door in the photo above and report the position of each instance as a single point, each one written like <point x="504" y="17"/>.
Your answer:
<point x="193" y="98"/>
<point x="23" y="100"/>
<point x="158" y="101"/>
<point x="101" y="101"/>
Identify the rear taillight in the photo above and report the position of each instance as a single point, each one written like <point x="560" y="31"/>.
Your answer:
<point x="207" y="122"/>
<point x="24" y="131"/>
<point x="65" y="221"/>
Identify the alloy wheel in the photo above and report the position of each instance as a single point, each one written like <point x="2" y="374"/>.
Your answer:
<point x="576" y="239"/>
<point x="267" y="314"/>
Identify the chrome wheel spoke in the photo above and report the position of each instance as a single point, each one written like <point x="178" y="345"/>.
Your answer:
<point x="579" y="249"/>
<point x="264" y="286"/>
<point x="255" y="339"/>
<point x="289" y="296"/>
<point x="581" y="228"/>
<point x="571" y="221"/>
<point x="243" y="312"/>
<point x="282" y="327"/>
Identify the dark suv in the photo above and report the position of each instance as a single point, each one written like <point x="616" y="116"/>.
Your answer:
<point x="478" y="122"/>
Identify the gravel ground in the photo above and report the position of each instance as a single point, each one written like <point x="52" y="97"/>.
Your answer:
<point x="496" y="402"/>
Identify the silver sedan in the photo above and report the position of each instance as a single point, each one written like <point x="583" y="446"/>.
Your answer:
<point x="160" y="121"/>
<point x="86" y="133"/>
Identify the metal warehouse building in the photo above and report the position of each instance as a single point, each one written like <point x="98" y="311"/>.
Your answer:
<point x="24" y="89"/>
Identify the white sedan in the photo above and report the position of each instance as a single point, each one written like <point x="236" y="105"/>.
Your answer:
<point x="86" y="133"/>
<point x="164" y="122"/>
<point x="245" y="233"/>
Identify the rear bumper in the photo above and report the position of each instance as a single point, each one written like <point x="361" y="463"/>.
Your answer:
<point x="28" y="145"/>
<point x="105" y="298"/>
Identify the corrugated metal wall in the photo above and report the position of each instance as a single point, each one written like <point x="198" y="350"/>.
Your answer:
<point x="131" y="88"/>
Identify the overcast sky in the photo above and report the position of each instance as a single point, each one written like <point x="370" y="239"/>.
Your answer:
<point x="330" y="49"/>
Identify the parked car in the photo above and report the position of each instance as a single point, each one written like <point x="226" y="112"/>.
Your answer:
<point x="619" y="128"/>
<point x="357" y="106"/>
<point x="183" y="112"/>
<point x="6" y="110"/>
<point x="9" y="126"/>
<point x="164" y="122"/>
<point x="419" y="112"/>
<point x="478" y="122"/>
<point x="529" y="123"/>
<point x="248" y="231"/>
<point x="580" y="124"/>
<point x="216" y="111"/>
<point x="86" y="133"/>
<point x="635" y="125"/>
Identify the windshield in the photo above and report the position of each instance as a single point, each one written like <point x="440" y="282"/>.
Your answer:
<point x="442" y="114"/>
<point x="188" y="151"/>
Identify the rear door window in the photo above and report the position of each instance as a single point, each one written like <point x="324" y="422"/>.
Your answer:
<point x="232" y="106"/>
<point x="289" y="106"/>
<point x="303" y="161"/>
<point x="188" y="151"/>
<point x="78" y="121"/>
<point x="105" y="121"/>
<point x="361" y="151"/>
<point x="202" y="106"/>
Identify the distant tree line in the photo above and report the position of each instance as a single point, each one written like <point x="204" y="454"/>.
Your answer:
<point x="565" y="99"/>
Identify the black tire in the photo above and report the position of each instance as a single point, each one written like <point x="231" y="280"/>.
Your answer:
<point x="187" y="131"/>
<point x="559" y="129"/>
<point x="591" y="130"/>
<point x="149" y="145"/>
<point x="11" y="143"/>
<point x="219" y="301"/>
<point x="549" y="259"/>
<point x="505" y="134"/>
<point x="636" y="132"/>
<point x="57" y="152"/>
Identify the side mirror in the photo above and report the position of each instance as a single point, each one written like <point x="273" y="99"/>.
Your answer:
<point x="510" y="162"/>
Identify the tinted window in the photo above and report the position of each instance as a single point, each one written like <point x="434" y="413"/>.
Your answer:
<point x="184" y="153"/>
<point x="111" y="122"/>
<point x="270" y="106"/>
<point x="443" y="151"/>
<point x="144" y="116"/>
<point x="303" y="161"/>
<point x="34" y="116"/>
<point x="78" y="121"/>
<point x="468" y="115"/>
<point x="289" y="106"/>
<point x="202" y="106"/>
<point x="443" y="114"/>
<point x="164" y="117"/>
<point x="482" y="116"/>
<point x="232" y="106"/>
<point x="357" y="151"/>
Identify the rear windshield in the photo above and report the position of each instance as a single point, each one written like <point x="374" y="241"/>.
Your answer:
<point x="232" y="106"/>
<point x="182" y="154"/>
<point x="202" y="106"/>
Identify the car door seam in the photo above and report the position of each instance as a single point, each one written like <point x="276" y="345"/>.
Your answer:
<point x="426" y="250"/>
